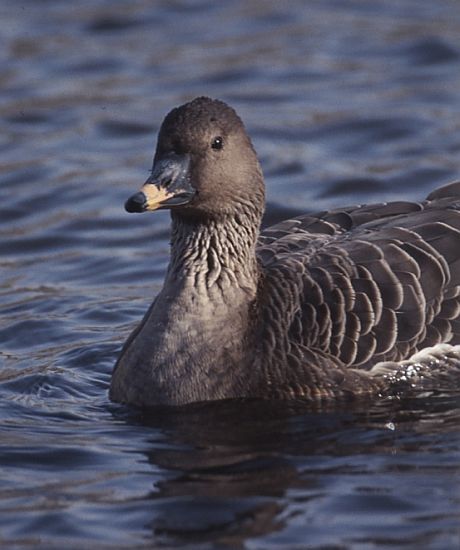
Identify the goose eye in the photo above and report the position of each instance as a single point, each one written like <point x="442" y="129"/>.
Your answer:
<point x="217" y="143"/>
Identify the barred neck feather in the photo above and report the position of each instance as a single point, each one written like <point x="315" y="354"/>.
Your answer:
<point x="215" y="253"/>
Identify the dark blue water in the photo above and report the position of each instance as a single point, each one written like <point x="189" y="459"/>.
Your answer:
<point x="347" y="101"/>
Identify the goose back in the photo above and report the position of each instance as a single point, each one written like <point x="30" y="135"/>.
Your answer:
<point x="360" y="285"/>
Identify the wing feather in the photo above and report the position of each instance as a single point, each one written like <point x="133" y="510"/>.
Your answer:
<point x="365" y="283"/>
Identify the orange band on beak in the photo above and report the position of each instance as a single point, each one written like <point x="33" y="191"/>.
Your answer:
<point x="154" y="196"/>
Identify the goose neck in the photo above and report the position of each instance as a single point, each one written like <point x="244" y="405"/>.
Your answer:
<point x="214" y="253"/>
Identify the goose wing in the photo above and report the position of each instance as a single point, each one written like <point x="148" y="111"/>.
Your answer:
<point x="365" y="284"/>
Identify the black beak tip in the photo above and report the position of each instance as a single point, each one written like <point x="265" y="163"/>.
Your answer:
<point x="136" y="203"/>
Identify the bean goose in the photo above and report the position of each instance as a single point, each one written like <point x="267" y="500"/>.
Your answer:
<point x="323" y="306"/>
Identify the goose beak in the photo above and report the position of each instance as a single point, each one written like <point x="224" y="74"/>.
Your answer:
<point x="167" y="187"/>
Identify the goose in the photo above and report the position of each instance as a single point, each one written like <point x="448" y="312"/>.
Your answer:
<point x="339" y="304"/>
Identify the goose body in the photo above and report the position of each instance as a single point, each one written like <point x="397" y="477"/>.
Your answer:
<point x="322" y="306"/>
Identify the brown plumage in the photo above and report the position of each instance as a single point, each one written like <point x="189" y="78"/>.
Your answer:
<point x="321" y="306"/>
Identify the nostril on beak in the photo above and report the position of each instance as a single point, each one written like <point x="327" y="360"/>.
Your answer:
<point x="136" y="203"/>
<point x="166" y="183"/>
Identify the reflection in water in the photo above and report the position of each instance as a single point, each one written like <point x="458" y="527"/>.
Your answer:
<point x="239" y="470"/>
<point x="348" y="102"/>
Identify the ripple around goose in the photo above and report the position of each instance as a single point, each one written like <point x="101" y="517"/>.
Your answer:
<point x="324" y="306"/>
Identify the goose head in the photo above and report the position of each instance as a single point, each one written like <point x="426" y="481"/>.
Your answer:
<point x="204" y="166"/>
